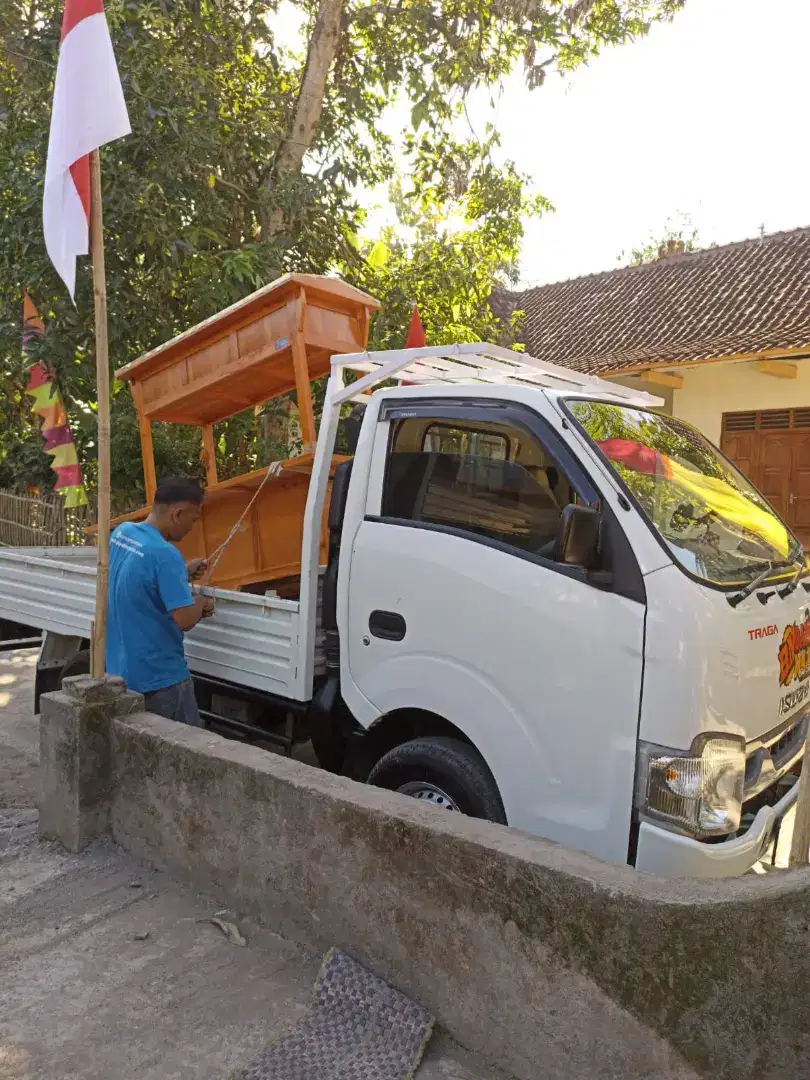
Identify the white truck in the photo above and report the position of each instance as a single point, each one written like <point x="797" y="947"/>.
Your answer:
<point x="544" y="604"/>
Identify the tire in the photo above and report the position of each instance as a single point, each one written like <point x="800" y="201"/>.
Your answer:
<point x="443" y="771"/>
<point x="79" y="664"/>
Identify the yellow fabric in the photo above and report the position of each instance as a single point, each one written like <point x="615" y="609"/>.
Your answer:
<point x="74" y="496"/>
<point x="44" y="396"/>
<point x="731" y="505"/>
<point x="63" y="455"/>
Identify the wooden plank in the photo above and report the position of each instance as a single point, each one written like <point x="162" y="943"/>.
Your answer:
<point x="662" y="378"/>
<point x="209" y="455"/>
<point x="208" y="383"/>
<point x="801" y="352"/>
<point x="302" y="386"/>
<point x="779" y="369"/>
<point x="147" y="450"/>
<point x="148" y="457"/>
<point x="332" y="292"/>
<point x="255" y="528"/>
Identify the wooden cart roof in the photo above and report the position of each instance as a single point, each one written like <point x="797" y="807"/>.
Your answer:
<point x="337" y="292"/>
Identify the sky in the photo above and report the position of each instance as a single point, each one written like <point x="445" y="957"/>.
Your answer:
<point x="703" y="121"/>
<point x="706" y="117"/>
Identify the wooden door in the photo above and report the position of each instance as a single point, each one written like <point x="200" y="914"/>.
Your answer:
<point x="773" y="469"/>
<point x="772" y="448"/>
<point x="799" y="496"/>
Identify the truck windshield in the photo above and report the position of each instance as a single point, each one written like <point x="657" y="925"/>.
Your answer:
<point x="714" y="522"/>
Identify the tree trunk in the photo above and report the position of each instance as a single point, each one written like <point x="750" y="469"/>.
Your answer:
<point x="321" y="52"/>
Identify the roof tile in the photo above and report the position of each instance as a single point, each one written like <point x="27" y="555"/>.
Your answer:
<point x="748" y="297"/>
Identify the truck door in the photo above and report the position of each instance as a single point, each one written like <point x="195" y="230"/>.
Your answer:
<point x="452" y="605"/>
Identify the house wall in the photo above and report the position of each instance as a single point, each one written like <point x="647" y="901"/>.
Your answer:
<point x="714" y="388"/>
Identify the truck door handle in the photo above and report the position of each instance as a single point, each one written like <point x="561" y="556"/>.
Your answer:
<point x="387" y="625"/>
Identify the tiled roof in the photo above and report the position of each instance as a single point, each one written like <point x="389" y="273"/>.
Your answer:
<point x="749" y="297"/>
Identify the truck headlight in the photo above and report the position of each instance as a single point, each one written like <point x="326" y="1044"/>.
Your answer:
<point x="698" y="791"/>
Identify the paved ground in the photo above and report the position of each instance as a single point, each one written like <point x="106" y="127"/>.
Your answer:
<point x="19" y="735"/>
<point x="112" y="971"/>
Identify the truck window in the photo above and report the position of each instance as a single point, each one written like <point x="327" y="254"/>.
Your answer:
<point x="710" y="517"/>
<point x="493" y="482"/>
<point x="444" y="439"/>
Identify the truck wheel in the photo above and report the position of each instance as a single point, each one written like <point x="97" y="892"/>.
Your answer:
<point x="78" y="664"/>
<point x="442" y="771"/>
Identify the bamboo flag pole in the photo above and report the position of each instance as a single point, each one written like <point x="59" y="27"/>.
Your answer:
<point x="88" y="111"/>
<point x="98" y="645"/>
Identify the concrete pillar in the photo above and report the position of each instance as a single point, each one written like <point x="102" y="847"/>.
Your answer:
<point x="75" y="764"/>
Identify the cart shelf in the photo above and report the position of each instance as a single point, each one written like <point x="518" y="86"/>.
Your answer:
<point x="274" y="341"/>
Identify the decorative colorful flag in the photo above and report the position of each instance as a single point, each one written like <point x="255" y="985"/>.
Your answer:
<point x="88" y="111"/>
<point x="415" y="338"/>
<point x="48" y="405"/>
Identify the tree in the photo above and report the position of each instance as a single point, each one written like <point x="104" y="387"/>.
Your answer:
<point x="245" y="163"/>
<point x="679" y="235"/>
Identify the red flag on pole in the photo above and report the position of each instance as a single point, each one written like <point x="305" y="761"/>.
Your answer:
<point x="88" y="111"/>
<point x="416" y="332"/>
<point x="415" y="338"/>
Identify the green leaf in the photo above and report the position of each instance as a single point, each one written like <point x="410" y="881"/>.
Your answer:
<point x="420" y="113"/>
<point x="379" y="255"/>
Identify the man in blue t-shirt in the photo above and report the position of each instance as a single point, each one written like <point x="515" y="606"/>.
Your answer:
<point x="151" y="605"/>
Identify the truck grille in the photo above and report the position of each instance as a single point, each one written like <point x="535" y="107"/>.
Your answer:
<point x="771" y="755"/>
<point x="786" y="743"/>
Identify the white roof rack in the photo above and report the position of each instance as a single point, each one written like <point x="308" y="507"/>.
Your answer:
<point x="477" y="363"/>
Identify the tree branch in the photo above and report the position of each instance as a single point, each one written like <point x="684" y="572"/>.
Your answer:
<point x="297" y="140"/>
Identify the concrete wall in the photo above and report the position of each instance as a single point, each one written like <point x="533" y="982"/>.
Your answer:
<point x="712" y="389"/>
<point x="551" y="963"/>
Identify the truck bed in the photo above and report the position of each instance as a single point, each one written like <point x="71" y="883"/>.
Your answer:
<point x="252" y="640"/>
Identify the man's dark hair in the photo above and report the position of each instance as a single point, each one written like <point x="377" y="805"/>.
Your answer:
<point x="178" y="489"/>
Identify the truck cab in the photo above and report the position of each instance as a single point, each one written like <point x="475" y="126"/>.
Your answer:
<point x="592" y="625"/>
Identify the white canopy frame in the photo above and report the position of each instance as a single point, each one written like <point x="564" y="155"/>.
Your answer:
<point x="476" y="363"/>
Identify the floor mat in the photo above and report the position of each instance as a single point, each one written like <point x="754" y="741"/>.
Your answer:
<point x="358" y="1028"/>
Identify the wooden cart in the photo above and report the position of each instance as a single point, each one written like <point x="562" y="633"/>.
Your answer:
<point x="276" y="340"/>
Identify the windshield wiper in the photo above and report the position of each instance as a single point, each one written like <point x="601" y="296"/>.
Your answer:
<point x="752" y="586"/>
<point x="793" y="584"/>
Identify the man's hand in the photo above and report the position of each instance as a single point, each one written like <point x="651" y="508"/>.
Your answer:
<point x="196" y="568"/>
<point x="188" y="617"/>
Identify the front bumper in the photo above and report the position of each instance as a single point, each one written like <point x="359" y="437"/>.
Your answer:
<point x="669" y="853"/>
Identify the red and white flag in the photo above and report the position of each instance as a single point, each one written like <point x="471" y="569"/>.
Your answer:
<point x="88" y="111"/>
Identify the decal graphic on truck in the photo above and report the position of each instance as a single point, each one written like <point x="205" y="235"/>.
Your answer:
<point x="794" y="652"/>
<point x="763" y="631"/>
<point x="789" y="701"/>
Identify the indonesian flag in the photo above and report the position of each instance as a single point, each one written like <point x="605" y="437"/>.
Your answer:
<point x="88" y="111"/>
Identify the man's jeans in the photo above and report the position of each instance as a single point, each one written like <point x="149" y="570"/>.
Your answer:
<point x="175" y="703"/>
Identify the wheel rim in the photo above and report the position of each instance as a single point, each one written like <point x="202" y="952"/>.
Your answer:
<point x="429" y="793"/>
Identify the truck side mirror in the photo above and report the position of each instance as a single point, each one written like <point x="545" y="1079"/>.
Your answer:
<point x="577" y="538"/>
